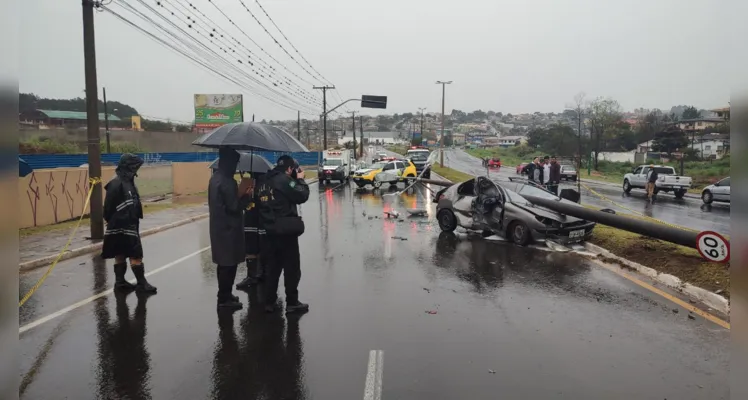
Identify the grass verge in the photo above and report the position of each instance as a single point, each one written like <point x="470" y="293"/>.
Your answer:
<point x="680" y="261"/>
<point x="450" y="174"/>
<point x="148" y="208"/>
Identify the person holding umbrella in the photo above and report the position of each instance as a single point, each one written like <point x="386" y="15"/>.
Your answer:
<point x="226" y="204"/>
<point x="254" y="238"/>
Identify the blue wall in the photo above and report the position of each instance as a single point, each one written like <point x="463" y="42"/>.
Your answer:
<point x="38" y="161"/>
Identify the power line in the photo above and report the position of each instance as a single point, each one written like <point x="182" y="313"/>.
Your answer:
<point x="212" y="67"/>
<point x="289" y="42"/>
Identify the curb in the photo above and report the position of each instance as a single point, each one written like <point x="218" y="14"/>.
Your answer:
<point x="711" y="299"/>
<point x="40" y="262"/>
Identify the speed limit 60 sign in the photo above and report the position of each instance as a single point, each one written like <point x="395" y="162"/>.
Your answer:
<point x="713" y="246"/>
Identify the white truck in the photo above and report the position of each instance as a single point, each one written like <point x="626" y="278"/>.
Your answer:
<point x="336" y="166"/>
<point x="667" y="180"/>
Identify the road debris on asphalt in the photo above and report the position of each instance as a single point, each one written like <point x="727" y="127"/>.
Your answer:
<point x="427" y="290"/>
<point x="690" y="316"/>
<point x="431" y="312"/>
<point x="490" y="371"/>
<point x="392" y="214"/>
<point x="400" y="238"/>
<point x="416" y="212"/>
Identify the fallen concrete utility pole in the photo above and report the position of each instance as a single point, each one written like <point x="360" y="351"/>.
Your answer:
<point x="647" y="228"/>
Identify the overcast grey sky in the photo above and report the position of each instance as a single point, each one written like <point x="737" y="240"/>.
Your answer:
<point x="510" y="56"/>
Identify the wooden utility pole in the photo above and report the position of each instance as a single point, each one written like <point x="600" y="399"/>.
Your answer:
<point x="324" y="113"/>
<point x="361" y="131"/>
<point x="353" y="129"/>
<point x="92" y="115"/>
<point x="298" y="125"/>
<point x="441" y="141"/>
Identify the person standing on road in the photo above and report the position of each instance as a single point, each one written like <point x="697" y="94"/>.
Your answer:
<point x="538" y="172"/>
<point x="547" y="172"/>
<point x="254" y="238"/>
<point x="652" y="176"/>
<point x="282" y="191"/>
<point x="555" y="176"/>
<point x="122" y="213"/>
<point x="531" y="168"/>
<point x="226" y="204"/>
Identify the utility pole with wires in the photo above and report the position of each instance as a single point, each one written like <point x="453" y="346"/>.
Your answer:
<point x="441" y="141"/>
<point x="421" y="109"/>
<point x="298" y="125"/>
<point x="361" y="132"/>
<point x="92" y="116"/>
<point x="353" y="129"/>
<point x="324" y="112"/>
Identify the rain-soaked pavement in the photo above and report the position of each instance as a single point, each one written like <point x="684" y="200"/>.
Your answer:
<point x="455" y="317"/>
<point x="688" y="212"/>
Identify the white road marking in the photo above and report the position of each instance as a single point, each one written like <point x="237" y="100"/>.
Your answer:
<point x="83" y="302"/>
<point x="373" y="389"/>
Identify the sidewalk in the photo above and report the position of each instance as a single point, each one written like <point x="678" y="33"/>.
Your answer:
<point x="50" y="244"/>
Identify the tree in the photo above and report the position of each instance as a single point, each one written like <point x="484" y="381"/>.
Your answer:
<point x="604" y="115"/>
<point x="690" y="113"/>
<point x="670" y="140"/>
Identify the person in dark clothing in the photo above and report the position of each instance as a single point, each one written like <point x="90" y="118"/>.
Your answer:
<point x="226" y="204"/>
<point x="122" y="213"/>
<point x="282" y="190"/>
<point x="530" y="169"/>
<point x="555" y="176"/>
<point x="652" y="176"/>
<point x="254" y="238"/>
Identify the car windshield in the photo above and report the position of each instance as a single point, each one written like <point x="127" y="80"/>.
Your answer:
<point x="333" y="162"/>
<point x="530" y="190"/>
<point x="418" y="156"/>
<point x="378" y="165"/>
<point x="665" y="170"/>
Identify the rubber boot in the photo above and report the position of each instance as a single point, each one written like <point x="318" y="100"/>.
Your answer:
<point x="293" y="305"/>
<point x="120" y="283"/>
<point x="251" y="279"/>
<point x="226" y="300"/>
<point x="142" y="285"/>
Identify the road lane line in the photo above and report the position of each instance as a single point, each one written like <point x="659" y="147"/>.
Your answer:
<point x="83" y="302"/>
<point x="373" y="389"/>
<point x="668" y="296"/>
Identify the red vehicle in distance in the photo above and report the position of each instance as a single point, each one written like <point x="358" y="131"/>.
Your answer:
<point x="494" y="163"/>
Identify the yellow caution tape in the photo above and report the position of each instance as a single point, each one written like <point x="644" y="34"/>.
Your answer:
<point x="93" y="182"/>
<point x="636" y="212"/>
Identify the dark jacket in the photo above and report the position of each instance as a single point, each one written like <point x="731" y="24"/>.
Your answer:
<point x="279" y="196"/>
<point x="226" y="210"/>
<point x="122" y="207"/>
<point x="652" y="175"/>
<point x="530" y="170"/>
<point x="555" y="172"/>
<point x="252" y="222"/>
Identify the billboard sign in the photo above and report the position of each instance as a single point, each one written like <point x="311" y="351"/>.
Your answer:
<point x="214" y="110"/>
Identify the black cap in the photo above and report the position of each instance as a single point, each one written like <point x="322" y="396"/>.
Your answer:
<point x="285" y="161"/>
<point x="546" y="157"/>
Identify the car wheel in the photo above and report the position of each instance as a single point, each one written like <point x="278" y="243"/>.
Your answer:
<point x="321" y="181"/>
<point x="447" y="220"/>
<point x="707" y="197"/>
<point x="520" y="233"/>
<point x="679" y="194"/>
<point x="626" y="186"/>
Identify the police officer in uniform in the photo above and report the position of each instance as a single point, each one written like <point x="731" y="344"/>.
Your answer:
<point x="254" y="238"/>
<point x="282" y="190"/>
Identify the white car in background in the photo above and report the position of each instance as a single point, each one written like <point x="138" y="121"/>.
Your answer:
<point x="568" y="172"/>
<point x="719" y="191"/>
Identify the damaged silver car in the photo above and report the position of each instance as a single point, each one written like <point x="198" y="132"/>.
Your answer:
<point x="499" y="208"/>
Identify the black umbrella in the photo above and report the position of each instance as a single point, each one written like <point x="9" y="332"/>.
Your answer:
<point x="250" y="136"/>
<point x="249" y="162"/>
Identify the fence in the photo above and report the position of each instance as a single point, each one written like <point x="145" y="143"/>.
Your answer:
<point x="40" y="161"/>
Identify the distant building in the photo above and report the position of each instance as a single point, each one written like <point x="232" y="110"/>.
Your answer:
<point x="722" y="113"/>
<point x="698" y="124"/>
<point x="511" y="141"/>
<point x="52" y="119"/>
<point x="458" y="139"/>
<point x="383" y="137"/>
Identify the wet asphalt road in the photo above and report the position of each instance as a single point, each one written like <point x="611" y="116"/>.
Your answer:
<point x="445" y="311"/>
<point x="688" y="212"/>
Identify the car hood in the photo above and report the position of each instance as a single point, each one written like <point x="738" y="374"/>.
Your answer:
<point x="365" y="170"/>
<point x="328" y="167"/>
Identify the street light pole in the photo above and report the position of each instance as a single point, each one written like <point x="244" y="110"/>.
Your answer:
<point x="106" y="124"/>
<point x="441" y="141"/>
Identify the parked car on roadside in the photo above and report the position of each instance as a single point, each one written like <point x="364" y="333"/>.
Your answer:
<point x="668" y="180"/>
<point x="719" y="191"/>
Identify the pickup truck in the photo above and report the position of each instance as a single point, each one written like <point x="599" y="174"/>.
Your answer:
<point x="668" y="180"/>
<point x="568" y="172"/>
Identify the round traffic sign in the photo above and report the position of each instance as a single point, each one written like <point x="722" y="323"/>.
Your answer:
<point x="713" y="246"/>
